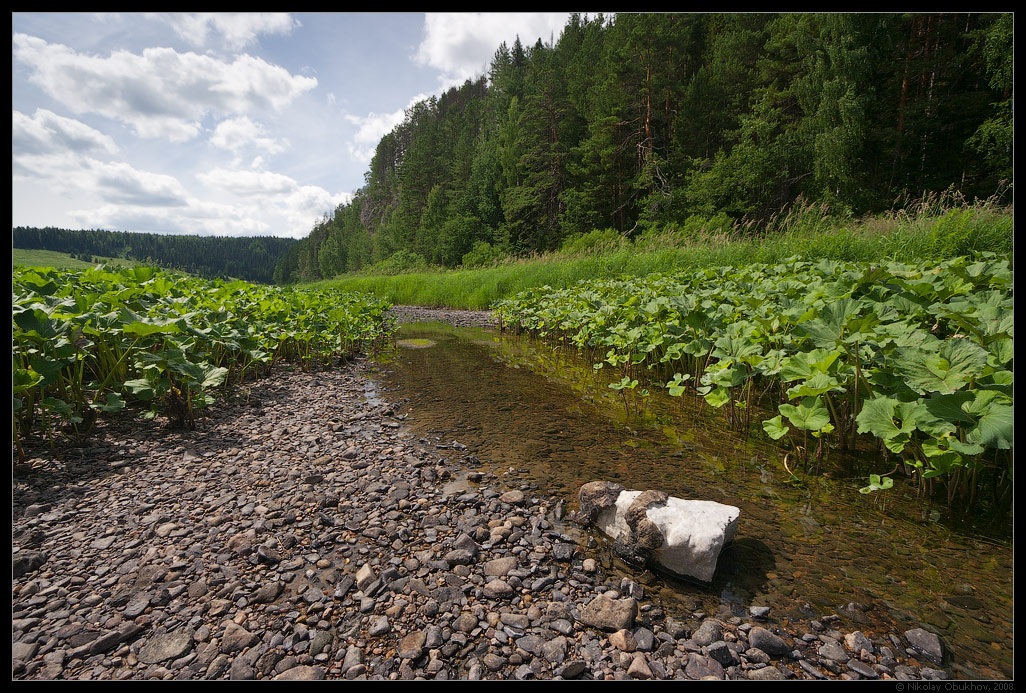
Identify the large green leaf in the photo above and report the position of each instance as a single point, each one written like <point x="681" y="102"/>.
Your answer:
<point x="946" y="370"/>
<point x="892" y="421"/>
<point x="994" y="426"/>
<point x="775" y="427"/>
<point x="25" y="379"/>
<point x="810" y="415"/>
<point x="816" y="385"/>
<point x="806" y="364"/>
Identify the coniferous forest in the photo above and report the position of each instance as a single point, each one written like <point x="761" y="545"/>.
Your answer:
<point x="644" y="121"/>
<point x="252" y="258"/>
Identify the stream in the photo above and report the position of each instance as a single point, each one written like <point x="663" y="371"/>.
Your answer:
<point x="884" y="562"/>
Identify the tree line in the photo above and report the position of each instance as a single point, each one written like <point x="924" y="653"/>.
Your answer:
<point x="647" y="120"/>
<point x="252" y="258"/>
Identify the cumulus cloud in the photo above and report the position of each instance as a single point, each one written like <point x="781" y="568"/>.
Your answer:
<point x="267" y="195"/>
<point x="248" y="182"/>
<point x="114" y="182"/>
<point x="372" y="127"/>
<point x="46" y="132"/>
<point x="121" y="183"/>
<point x="236" y="134"/>
<point x="160" y="93"/>
<point x="461" y="44"/>
<point x="238" y="29"/>
<point x="290" y="214"/>
<point x="205" y="219"/>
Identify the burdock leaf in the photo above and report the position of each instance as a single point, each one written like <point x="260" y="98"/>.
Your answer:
<point x="945" y="370"/>
<point x="810" y="415"/>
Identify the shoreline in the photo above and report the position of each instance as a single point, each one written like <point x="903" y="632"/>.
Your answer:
<point x="299" y="532"/>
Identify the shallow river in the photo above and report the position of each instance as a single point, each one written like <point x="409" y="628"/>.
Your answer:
<point x="809" y="549"/>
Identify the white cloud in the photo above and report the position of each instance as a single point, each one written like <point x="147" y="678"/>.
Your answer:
<point x="239" y="29"/>
<point x="205" y="219"/>
<point x="46" y="132"/>
<point x="461" y="44"/>
<point x="372" y="127"/>
<point x="248" y="182"/>
<point x="240" y="133"/>
<point x="160" y="93"/>
<point x="267" y="195"/>
<point x="114" y="182"/>
<point x="119" y="182"/>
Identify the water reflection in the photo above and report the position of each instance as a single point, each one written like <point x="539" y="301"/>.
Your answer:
<point x="804" y="547"/>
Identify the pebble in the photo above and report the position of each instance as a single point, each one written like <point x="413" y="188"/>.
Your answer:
<point x="297" y="537"/>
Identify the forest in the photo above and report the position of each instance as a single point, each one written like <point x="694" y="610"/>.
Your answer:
<point x="251" y="258"/>
<point x="650" y="121"/>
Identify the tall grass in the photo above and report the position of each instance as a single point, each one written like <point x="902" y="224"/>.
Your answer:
<point x="935" y="230"/>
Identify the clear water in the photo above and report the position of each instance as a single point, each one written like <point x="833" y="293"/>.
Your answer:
<point x="535" y="415"/>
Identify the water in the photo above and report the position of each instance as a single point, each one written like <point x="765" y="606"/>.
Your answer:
<point x="539" y="416"/>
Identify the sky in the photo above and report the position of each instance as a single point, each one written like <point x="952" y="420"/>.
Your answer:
<point x="224" y="124"/>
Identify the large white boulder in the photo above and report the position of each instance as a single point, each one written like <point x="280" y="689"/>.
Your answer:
<point x="682" y="536"/>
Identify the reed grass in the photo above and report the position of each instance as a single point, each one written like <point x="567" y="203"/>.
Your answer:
<point x="935" y="229"/>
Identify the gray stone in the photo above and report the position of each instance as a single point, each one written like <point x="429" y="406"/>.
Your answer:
<point x="700" y="666"/>
<point x="722" y="653"/>
<point x="25" y="562"/>
<point x="242" y="543"/>
<point x="498" y="589"/>
<point x="236" y="638"/>
<point x="412" y="645"/>
<point x="465" y="622"/>
<point x="513" y="497"/>
<point x="926" y="644"/>
<point x="709" y="632"/>
<point x="321" y="640"/>
<point x="610" y="614"/>
<point x="862" y="669"/>
<point x="301" y="673"/>
<point x="769" y="643"/>
<point x="639" y="668"/>
<point x="765" y="674"/>
<point x="833" y="652"/>
<point x="24" y="651"/>
<point x="166" y="646"/>
<point x="268" y="592"/>
<point x="499" y="567"/>
<point x="364" y="577"/>
<point x="554" y="651"/>
<point x="857" y="642"/>
<point x="573" y="669"/>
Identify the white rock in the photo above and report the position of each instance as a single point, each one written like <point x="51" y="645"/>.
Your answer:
<point x="694" y="531"/>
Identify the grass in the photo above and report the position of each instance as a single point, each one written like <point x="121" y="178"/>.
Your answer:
<point x="57" y="260"/>
<point x="931" y="232"/>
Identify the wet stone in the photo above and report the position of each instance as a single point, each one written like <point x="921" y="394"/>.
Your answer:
<point x="925" y="643"/>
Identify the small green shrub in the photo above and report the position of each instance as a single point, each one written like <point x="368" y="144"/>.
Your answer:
<point x="482" y="254"/>
<point x="399" y="262"/>
<point x="593" y="242"/>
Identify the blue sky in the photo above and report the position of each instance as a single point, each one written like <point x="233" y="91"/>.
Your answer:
<point x="224" y="124"/>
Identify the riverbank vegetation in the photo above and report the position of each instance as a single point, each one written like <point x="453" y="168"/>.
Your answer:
<point x="914" y="357"/>
<point x="93" y="342"/>
<point x="934" y="228"/>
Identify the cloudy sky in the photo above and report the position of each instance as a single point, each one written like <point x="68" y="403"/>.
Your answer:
<point x="225" y="124"/>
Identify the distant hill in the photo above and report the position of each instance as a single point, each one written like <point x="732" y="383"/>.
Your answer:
<point x="252" y="258"/>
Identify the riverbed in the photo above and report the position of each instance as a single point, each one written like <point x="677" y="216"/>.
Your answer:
<point x="886" y="562"/>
